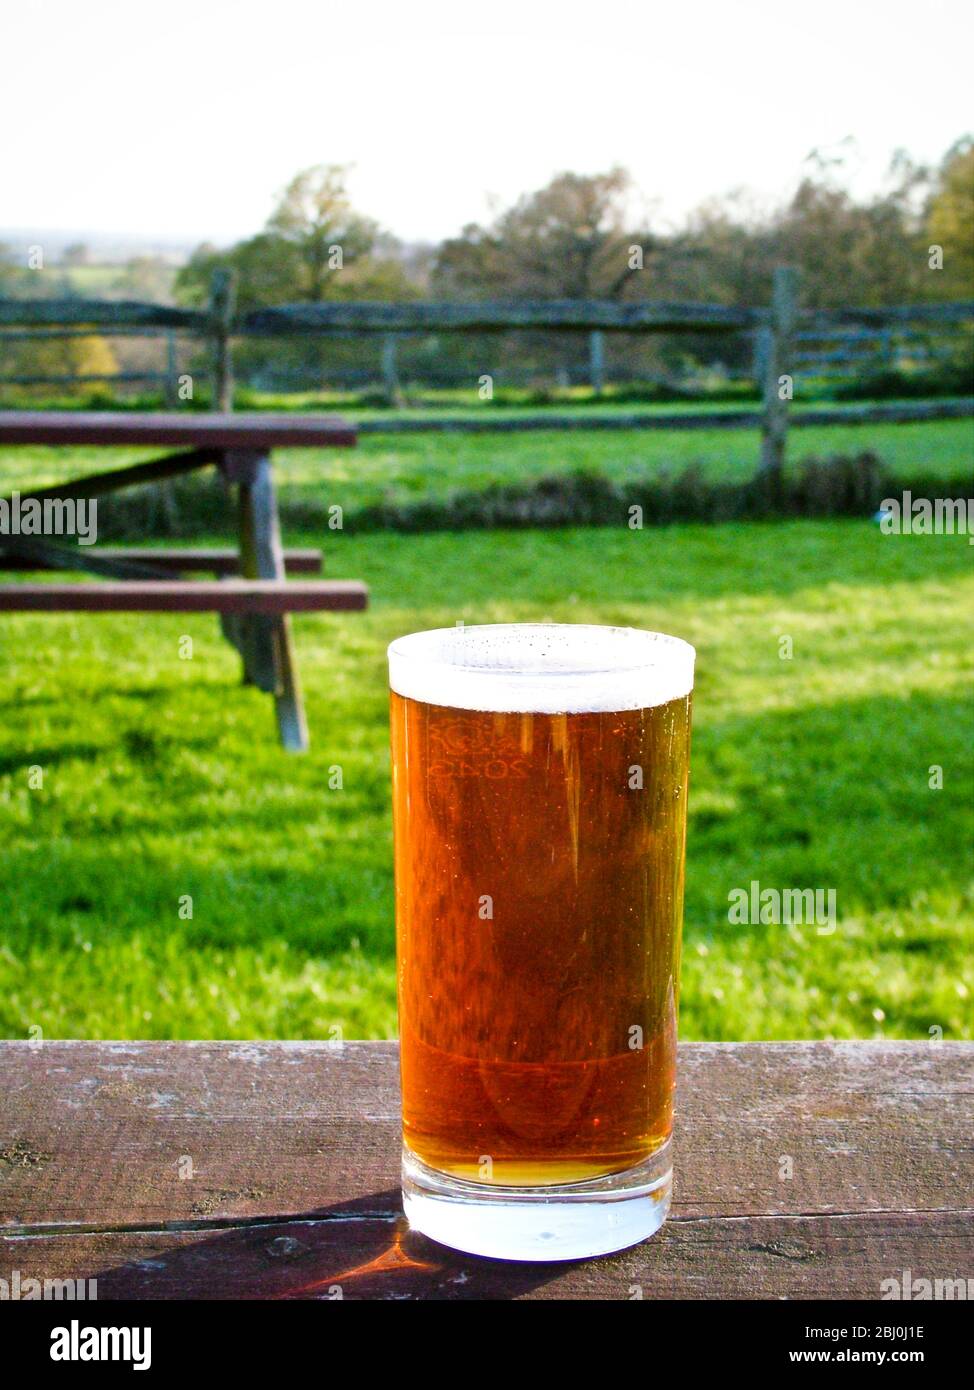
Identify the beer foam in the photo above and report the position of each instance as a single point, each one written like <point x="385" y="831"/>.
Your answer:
<point x="541" y="668"/>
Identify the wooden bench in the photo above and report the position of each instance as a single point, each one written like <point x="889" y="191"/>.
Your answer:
<point x="267" y="596"/>
<point x="207" y="560"/>
<point x="239" y="1170"/>
<point x="254" y="618"/>
<point x="175" y="428"/>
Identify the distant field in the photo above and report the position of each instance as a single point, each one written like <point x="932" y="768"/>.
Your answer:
<point x="94" y="280"/>
<point x="162" y="778"/>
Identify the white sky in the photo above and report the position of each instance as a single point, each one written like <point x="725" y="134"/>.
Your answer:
<point x="183" y="120"/>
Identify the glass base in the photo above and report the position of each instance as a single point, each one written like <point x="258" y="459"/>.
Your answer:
<point x="572" y="1221"/>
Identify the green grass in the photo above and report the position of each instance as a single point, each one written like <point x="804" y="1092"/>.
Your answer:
<point x="162" y="777"/>
<point x="405" y="467"/>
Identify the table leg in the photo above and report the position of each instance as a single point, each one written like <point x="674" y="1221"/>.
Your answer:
<point x="265" y="642"/>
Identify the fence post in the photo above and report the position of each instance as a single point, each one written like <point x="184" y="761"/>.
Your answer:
<point x="760" y="347"/>
<point x="171" y="369"/>
<point x="775" y="350"/>
<point x="596" y="360"/>
<point x="221" y="315"/>
<point x="890" y="355"/>
<point x="390" y="374"/>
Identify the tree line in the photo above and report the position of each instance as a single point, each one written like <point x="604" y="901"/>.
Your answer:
<point x="577" y="237"/>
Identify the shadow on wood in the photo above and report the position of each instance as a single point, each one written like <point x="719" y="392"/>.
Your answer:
<point x="356" y="1249"/>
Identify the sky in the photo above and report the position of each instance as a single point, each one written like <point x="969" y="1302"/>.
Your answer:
<point x="183" y="121"/>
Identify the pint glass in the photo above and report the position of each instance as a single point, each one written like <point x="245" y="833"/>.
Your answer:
<point x="539" y="778"/>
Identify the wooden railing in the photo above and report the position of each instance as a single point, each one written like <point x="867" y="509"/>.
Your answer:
<point x="776" y="329"/>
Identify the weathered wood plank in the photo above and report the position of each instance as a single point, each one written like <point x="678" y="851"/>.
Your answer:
<point x="424" y="317"/>
<point x="777" y="353"/>
<point x="581" y="315"/>
<point x="222" y="304"/>
<point x="29" y="335"/>
<point x="581" y="419"/>
<point x="187" y="596"/>
<point x="868" y="1127"/>
<point x="26" y="552"/>
<point x="351" y="1253"/>
<point x="266" y="644"/>
<point x="102" y="313"/>
<point x="289" y="1162"/>
<point x="214" y="430"/>
<point x="81" y="378"/>
<point x="900" y="413"/>
<point x="208" y="559"/>
<point x="136" y="475"/>
<point x="956" y="312"/>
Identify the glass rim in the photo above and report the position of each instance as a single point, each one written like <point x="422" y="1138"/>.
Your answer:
<point x="541" y="667"/>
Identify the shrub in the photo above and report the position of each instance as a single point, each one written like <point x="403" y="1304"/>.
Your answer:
<point x="840" y="485"/>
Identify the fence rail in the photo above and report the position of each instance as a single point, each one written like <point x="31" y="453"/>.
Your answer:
<point x="86" y="377"/>
<point x="567" y="315"/>
<point x="889" y="414"/>
<point x="564" y="315"/>
<point x="103" y="313"/>
<point x="886" y="315"/>
<point x="777" y="330"/>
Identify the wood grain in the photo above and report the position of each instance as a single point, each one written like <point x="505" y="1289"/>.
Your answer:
<point x="292" y="1156"/>
<point x="274" y="596"/>
<point x="216" y="430"/>
<point x="580" y="315"/>
<point x="213" y="560"/>
<point x="377" y="316"/>
<point x="102" y="313"/>
<point x="491" y="423"/>
<point x="777" y="357"/>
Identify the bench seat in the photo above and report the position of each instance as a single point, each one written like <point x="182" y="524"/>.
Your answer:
<point x="213" y="561"/>
<point x="269" y="596"/>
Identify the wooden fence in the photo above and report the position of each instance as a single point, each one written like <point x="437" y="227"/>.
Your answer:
<point x="778" y="331"/>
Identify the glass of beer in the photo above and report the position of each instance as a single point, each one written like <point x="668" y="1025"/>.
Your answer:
<point x="539" y="777"/>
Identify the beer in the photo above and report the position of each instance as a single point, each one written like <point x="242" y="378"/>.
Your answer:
<point x="539" y="858"/>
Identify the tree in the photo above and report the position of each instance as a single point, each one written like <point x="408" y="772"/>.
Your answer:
<point x="266" y="268"/>
<point x="950" y="222"/>
<point x="76" y="254"/>
<point x="91" y="355"/>
<point x="568" y="240"/>
<point x="15" y="278"/>
<point x="315" y="246"/>
<point x="317" y="222"/>
<point x="849" y="252"/>
<point x="722" y="255"/>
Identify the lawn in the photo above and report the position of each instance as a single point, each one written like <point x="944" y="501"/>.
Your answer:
<point x="398" y="468"/>
<point x="163" y="782"/>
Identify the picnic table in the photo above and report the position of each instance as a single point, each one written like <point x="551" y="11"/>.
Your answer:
<point x="249" y="591"/>
<point x="271" y="1170"/>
